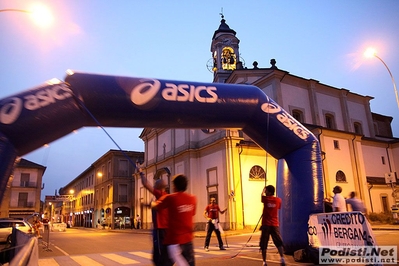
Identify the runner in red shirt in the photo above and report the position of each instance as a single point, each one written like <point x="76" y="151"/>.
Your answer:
<point x="211" y="213"/>
<point x="181" y="208"/>
<point x="270" y="224"/>
<point x="160" y="222"/>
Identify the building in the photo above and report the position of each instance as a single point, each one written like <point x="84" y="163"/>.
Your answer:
<point x="100" y="195"/>
<point x="358" y="153"/>
<point x="358" y="148"/>
<point x="22" y="196"/>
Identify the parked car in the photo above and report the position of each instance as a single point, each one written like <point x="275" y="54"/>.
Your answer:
<point x="6" y="225"/>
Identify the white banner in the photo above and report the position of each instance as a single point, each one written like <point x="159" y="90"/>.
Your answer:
<point x="340" y="229"/>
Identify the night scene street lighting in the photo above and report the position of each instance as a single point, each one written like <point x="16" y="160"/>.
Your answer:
<point x="40" y="14"/>
<point x="370" y="52"/>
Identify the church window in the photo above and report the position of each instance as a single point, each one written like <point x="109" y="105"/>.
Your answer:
<point x="257" y="173"/>
<point x="298" y="115"/>
<point x="330" y="121"/>
<point x="358" y="128"/>
<point x="340" y="176"/>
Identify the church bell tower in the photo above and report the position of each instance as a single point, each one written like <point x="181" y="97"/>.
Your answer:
<point x="225" y="53"/>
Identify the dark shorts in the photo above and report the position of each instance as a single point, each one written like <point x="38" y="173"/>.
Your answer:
<point x="268" y="231"/>
<point x="160" y="252"/>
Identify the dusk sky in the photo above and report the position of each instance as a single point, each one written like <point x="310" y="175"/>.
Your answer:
<point x="321" y="40"/>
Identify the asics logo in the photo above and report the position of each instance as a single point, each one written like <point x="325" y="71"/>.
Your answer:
<point x="146" y="91"/>
<point x="286" y="120"/>
<point x="11" y="110"/>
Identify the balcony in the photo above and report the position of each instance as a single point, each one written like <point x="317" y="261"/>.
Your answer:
<point x="28" y="184"/>
<point x="23" y="205"/>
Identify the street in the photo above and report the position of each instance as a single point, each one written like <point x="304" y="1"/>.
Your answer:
<point x="133" y="247"/>
<point x="126" y="247"/>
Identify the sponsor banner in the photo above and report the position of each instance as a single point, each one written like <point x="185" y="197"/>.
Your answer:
<point x="363" y="255"/>
<point x="340" y="229"/>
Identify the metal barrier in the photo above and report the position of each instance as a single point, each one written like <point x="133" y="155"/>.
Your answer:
<point x="23" y="250"/>
<point x="27" y="255"/>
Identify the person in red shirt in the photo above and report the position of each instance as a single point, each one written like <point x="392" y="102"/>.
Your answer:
<point x="181" y="208"/>
<point x="211" y="213"/>
<point x="160" y="222"/>
<point x="270" y="224"/>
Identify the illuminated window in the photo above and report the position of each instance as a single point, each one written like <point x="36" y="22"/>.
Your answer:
<point x="228" y="58"/>
<point x="257" y="173"/>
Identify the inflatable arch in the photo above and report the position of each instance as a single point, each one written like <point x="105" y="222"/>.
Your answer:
<point x="32" y="118"/>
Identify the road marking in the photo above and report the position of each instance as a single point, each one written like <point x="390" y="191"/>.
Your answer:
<point x="84" y="260"/>
<point x="66" y="254"/>
<point x="213" y="252"/>
<point x="120" y="259"/>
<point x="142" y="254"/>
<point x="48" y="262"/>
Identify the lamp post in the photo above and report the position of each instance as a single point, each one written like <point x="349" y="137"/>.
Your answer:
<point x="370" y="52"/>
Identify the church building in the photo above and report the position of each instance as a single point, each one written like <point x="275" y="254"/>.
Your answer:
<point x="359" y="152"/>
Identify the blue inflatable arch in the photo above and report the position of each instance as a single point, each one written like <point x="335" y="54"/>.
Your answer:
<point x="32" y="118"/>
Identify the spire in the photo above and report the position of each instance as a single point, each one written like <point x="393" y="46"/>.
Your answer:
<point x="223" y="28"/>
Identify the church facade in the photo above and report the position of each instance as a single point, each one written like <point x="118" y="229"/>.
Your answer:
<point x="359" y="151"/>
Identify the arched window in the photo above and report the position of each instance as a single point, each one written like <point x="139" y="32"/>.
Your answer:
<point x="298" y="115"/>
<point x="340" y="176"/>
<point x="257" y="173"/>
<point x="330" y="121"/>
<point x="358" y="128"/>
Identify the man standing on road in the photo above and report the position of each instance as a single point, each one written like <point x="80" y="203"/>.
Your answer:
<point x="211" y="213"/>
<point x="160" y="222"/>
<point x="270" y="224"/>
<point x="181" y="208"/>
<point x="339" y="204"/>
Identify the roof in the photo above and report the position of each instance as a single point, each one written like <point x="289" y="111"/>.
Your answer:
<point x="23" y="163"/>
<point x="377" y="180"/>
<point x="223" y="27"/>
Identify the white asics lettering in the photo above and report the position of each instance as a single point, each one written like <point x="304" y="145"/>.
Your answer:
<point x="144" y="92"/>
<point x="189" y="93"/>
<point x="10" y="111"/>
<point x="284" y="119"/>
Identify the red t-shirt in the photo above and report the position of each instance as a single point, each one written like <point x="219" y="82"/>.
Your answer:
<point x="213" y="211"/>
<point x="271" y="205"/>
<point x="161" y="215"/>
<point x="181" y="209"/>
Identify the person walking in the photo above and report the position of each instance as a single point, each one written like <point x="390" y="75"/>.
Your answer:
<point x="211" y="213"/>
<point x="270" y="223"/>
<point x="339" y="204"/>
<point x="138" y="222"/>
<point x="160" y="222"/>
<point x="132" y="223"/>
<point x="181" y="207"/>
<point x="355" y="203"/>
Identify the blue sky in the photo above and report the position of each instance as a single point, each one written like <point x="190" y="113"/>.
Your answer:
<point x="321" y="40"/>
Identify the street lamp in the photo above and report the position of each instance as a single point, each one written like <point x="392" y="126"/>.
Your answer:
<point x="370" y="52"/>
<point x="40" y="14"/>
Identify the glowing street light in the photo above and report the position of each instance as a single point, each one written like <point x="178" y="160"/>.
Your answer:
<point x="40" y="14"/>
<point x="370" y="52"/>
